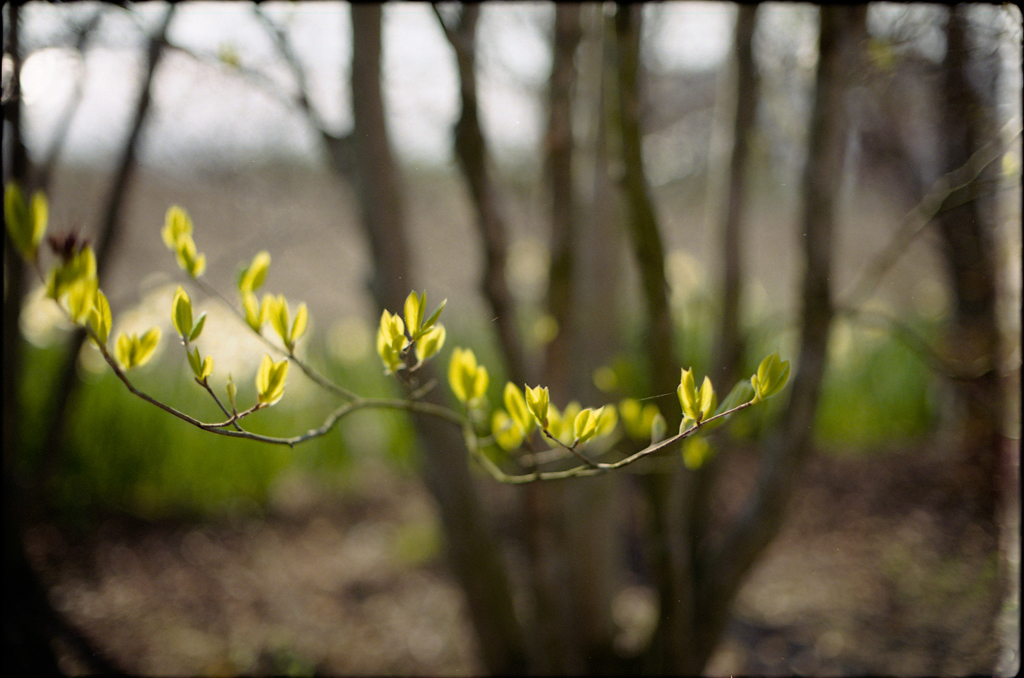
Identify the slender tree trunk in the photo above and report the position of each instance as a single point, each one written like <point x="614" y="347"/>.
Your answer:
<point x="670" y="650"/>
<point x="719" y="574"/>
<point x="745" y="88"/>
<point x="472" y="549"/>
<point x="68" y="383"/>
<point x="589" y="518"/>
<point x="728" y="361"/>
<point x="967" y="233"/>
<point x="27" y="630"/>
<point x="474" y="161"/>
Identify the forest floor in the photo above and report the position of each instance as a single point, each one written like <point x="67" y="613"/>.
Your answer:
<point x="875" y="572"/>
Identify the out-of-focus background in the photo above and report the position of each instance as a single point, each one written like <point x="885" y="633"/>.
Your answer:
<point x="174" y="551"/>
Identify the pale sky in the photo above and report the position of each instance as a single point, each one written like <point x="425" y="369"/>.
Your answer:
<point x="206" y="109"/>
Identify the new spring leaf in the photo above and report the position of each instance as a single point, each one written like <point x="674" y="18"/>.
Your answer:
<point x="133" y="351"/>
<point x="100" y="318"/>
<point x="515" y="403"/>
<point x="181" y="313"/>
<point x="251" y="278"/>
<point x="697" y="403"/>
<point x="26" y="224"/>
<point x="467" y="379"/>
<point x="538" y="400"/>
<point x="771" y="377"/>
<point x="270" y="380"/>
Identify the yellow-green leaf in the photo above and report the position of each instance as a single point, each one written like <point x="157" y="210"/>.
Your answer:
<point x="253" y="277"/>
<point x="392" y="361"/>
<point x="467" y="379"/>
<point x="195" y="362"/>
<point x="430" y="342"/>
<point x="255" y="313"/>
<point x="181" y="313"/>
<point x="270" y="380"/>
<point x="697" y="404"/>
<point x="100" y="318"/>
<point x="687" y="393"/>
<point x="207" y="368"/>
<point x="277" y="313"/>
<point x="189" y="259"/>
<point x="123" y="351"/>
<point x="176" y="225"/>
<point x="772" y="375"/>
<point x="39" y="215"/>
<point x="26" y="224"/>
<point x="198" y="329"/>
<point x="414" y="309"/>
<point x="696" y="451"/>
<point x="81" y="298"/>
<point x="538" y="400"/>
<point x="393" y="328"/>
<point x="232" y="393"/>
<point x="299" y="326"/>
<point x="429" y="322"/>
<point x="134" y="351"/>
<point x="147" y="345"/>
<point x="585" y="425"/>
<point x="607" y="418"/>
<point x="515" y="403"/>
<point x="506" y="431"/>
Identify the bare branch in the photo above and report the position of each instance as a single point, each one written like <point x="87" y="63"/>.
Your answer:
<point x="934" y="201"/>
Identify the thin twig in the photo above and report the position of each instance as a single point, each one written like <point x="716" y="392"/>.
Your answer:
<point x="914" y="222"/>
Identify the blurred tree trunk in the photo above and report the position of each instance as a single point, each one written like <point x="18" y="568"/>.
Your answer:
<point x="670" y="651"/>
<point x="37" y="622"/>
<point x="582" y="302"/>
<point x="744" y="86"/>
<point x="474" y="161"/>
<point x="720" y="573"/>
<point x="727" y="364"/>
<point x="472" y="549"/>
<point x="111" y="226"/>
<point x="967" y="233"/>
<point x="27" y="614"/>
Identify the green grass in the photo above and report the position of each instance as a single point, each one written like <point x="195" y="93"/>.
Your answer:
<point x="124" y="454"/>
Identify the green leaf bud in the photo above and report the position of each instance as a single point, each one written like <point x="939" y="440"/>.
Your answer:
<point x="538" y="400"/>
<point x="772" y="376"/>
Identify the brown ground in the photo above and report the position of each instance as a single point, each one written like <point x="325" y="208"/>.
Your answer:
<point x="869" y="576"/>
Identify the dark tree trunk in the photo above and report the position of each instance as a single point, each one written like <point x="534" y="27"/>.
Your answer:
<point x="745" y="87"/>
<point x="471" y="547"/>
<point x="967" y="234"/>
<point x="727" y="363"/>
<point x="670" y="651"/>
<point x="720" y="573"/>
<point x="474" y="161"/>
<point x="29" y="634"/>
